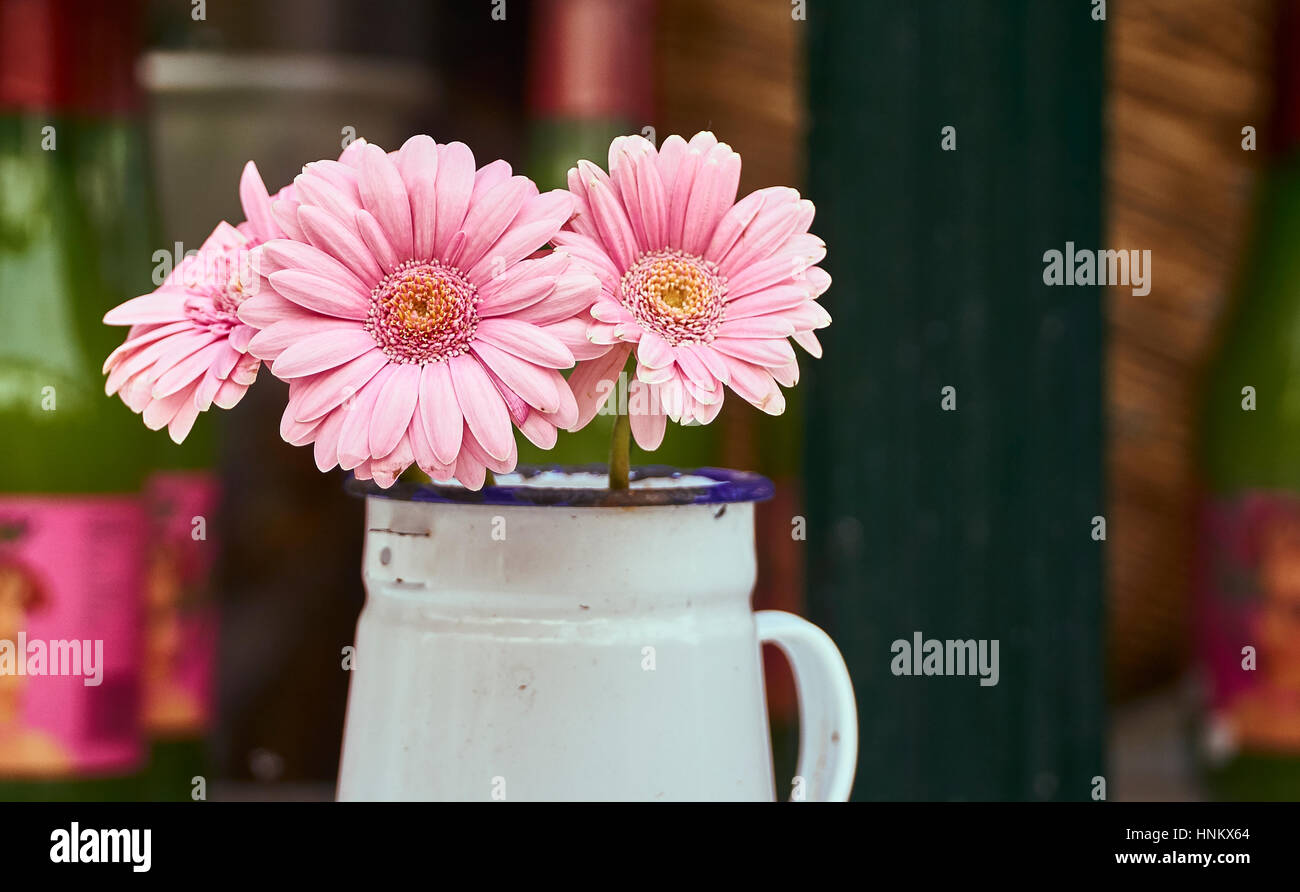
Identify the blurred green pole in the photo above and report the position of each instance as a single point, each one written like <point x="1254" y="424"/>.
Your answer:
<point x="976" y="522"/>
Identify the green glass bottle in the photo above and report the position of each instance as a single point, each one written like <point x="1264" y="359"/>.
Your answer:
<point x="1248" y="554"/>
<point x="71" y="526"/>
<point x="180" y="494"/>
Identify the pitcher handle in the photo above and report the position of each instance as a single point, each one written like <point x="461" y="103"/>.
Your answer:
<point x="828" y="713"/>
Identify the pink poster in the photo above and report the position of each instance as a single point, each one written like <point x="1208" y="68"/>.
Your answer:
<point x="181" y="640"/>
<point x="71" y="576"/>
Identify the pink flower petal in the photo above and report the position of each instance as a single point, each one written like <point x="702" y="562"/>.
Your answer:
<point x="671" y="153"/>
<point x="186" y="372"/>
<point x="654" y="352"/>
<point x="207" y="389"/>
<point x="386" y="470"/>
<point x="648" y="429"/>
<point x="245" y="370"/>
<point x="326" y="449"/>
<point x="759" y="352"/>
<point x="573" y="295"/>
<point x="655" y="376"/>
<point x="476" y="450"/>
<point x="771" y="300"/>
<point x="589" y="252"/>
<point x="581" y="221"/>
<point x="241" y="336"/>
<point x="158" y="307"/>
<point x="312" y="397"/>
<point x="517" y="409"/>
<point x="532" y="383"/>
<point x="267" y="309"/>
<point x="270" y="342"/>
<point x="484" y="410"/>
<point x="679" y="193"/>
<point x="755" y="328"/>
<point x="577" y="334"/>
<point x="147" y="335"/>
<point x="489" y="176"/>
<point x="423" y="450"/>
<point x="394" y="409"/>
<point x="282" y="254"/>
<point x="793" y="263"/>
<point x="786" y="376"/>
<point x="487" y="218"/>
<point x="539" y="218"/>
<point x="470" y="471"/>
<point x="384" y="195"/>
<point x="609" y="215"/>
<point x="439" y="412"/>
<point x="326" y="232"/>
<point x="567" y="415"/>
<point x="183" y="421"/>
<point x="806" y="316"/>
<point x="163" y="354"/>
<point x="693" y="367"/>
<point x="342" y="177"/>
<point x="314" y="292"/>
<point x="322" y="352"/>
<point x="296" y="433"/>
<point x="351" y="154"/>
<point x="716" y="364"/>
<point x="733" y="225"/>
<point x="510" y="300"/>
<point x="257" y="204"/>
<point x="712" y="195"/>
<point x="229" y="394"/>
<point x="593" y="382"/>
<point x="285" y="211"/>
<point x="809" y="341"/>
<point x="780" y="219"/>
<point x="159" y="413"/>
<point x="455" y="245"/>
<point x="372" y="233"/>
<point x="526" y="341"/>
<point x="418" y="163"/>
<point x="539" y="431"/>
<point x="636" y="174"/>
<point x="354" y="438"/>
<point x="756" y="385"/>
<point x="611" y="311"/>
<point x="315" y="191"/>
<point x="454" y="185"/>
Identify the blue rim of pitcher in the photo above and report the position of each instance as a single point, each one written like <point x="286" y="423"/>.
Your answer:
<point x="728" y="487"/>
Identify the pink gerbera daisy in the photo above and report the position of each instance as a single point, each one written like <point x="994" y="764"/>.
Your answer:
<point x="186" y="348"/>
<point x="412" y="322"/>
<point x="705" y="289"/>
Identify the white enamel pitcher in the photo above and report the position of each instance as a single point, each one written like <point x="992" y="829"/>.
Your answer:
<point x="536" y="642"/>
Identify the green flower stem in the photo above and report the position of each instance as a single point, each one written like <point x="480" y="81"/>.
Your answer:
<point x="620" y="444"/>
<point x="414" y="475"/>
<point x="620" y="452"/>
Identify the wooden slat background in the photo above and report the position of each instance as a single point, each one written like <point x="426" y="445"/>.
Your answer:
<point x="1184" y="77"/>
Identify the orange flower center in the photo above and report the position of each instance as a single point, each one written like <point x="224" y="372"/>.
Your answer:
<point x="677" y="295"/>
<point x="423" y="311"/>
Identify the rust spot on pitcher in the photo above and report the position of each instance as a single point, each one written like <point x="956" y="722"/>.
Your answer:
<point x="421" y="533"/>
